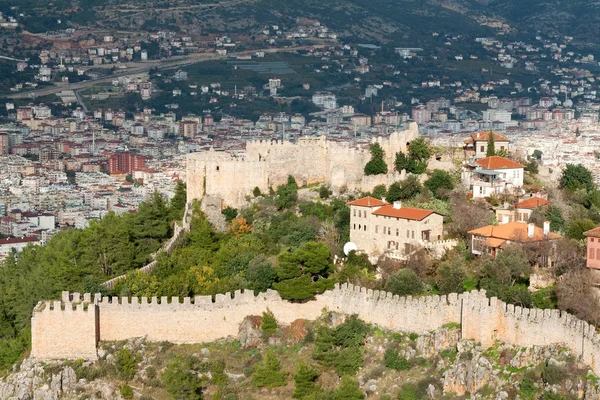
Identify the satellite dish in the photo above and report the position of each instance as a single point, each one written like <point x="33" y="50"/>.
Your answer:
<point x="348" y="247"/>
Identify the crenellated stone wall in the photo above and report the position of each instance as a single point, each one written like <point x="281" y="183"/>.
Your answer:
<point x="71" y="328"/>
<point x="267" y="164"/>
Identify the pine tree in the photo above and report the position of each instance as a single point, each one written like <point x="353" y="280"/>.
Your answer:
<point x="348" y="390"/>
<point x="304" y="378"/>
<point x="491" y="146"/>
<point x="269" y="373"/>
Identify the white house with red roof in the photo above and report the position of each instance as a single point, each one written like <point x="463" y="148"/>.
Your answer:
<point x="492" y="176"/>
<point x="476" y="146"/>
<point x="378" y="228"/>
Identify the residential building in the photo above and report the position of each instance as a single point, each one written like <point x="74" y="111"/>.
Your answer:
<point x="593" y="248"/>
<point x="3" y="144"/>
<point x="378" y="228"/>
<point x="492" y="239"/>
<point x="125" y="162"/>
<point x="476" y="146"/>
<point x="524" y="209"/>
<point x="492" y="176"/>
<point x="16" y="244"/>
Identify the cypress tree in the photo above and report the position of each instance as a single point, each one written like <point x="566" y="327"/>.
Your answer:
<point x="491" y="146"/>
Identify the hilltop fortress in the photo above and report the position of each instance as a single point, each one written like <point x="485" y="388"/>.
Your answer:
<point x="71" y="328"/>
<point x="267" y="164"/>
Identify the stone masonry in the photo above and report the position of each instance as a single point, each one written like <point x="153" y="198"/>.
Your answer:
<point x="71" y="328"/>
<point x="267" y="164"/>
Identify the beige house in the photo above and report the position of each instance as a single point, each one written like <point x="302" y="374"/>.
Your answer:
<point x="379" y="228"/>
<point x="476" y="145"/>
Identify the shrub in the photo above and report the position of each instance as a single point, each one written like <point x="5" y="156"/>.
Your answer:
<point x="304" y="379"/>
<point x="181" y="382"/>
<point x="404" y="282"/>
<point x="269" y="325"/>
<point x="553" y="374"/>
<point x="348" y="390"/>
<point x="392" y="360"/>
<point x="409" y="391"/>
<point x="126" y="392"/>
<point x="269" y="373"/>
<point x="126" y="363"/>
<point x="348" y="361"/>
<point x="230" y="213"/>
<point x="256" y="192"/>
<point x="324" y="192"/>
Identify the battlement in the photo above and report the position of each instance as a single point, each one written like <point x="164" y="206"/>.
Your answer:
<point x="208" y="318"/>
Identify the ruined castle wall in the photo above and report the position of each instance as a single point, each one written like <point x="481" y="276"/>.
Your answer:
<point x="72" y="333"/>
<point x="64" y="330"/>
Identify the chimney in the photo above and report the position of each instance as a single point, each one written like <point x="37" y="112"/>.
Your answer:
<point x="546" y="228"/>
<point x="505" y="219"/>
<point x="397" y="205"/>
<point x="530" y="230"/>
<point x="383" y="199"/>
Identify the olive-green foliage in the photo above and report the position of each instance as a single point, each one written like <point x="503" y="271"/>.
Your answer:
<point x="450" y="276"/>
<point x="180" y="380"/>
<point x="126" y="363"/>
<point x="286" y="195"/>
<point x="548" y="213"/>
<point x="304" y="379"/>
<point x="576" y="228"/>
<point x="230" y="213"/>
<point x="409" y="391"/>
<point x="391" y="359"/>
<point x="256" y="192"/>
<point x="506" y="277"/>
<point x="341" y="347"/>
<point x="304" y="273"/>
<point x="404" y="282"/>
<point x="126" y="392"/>
<point x="545" y="298"/>
<point x="527" y="389"/>
<point x="357" y="270"/>
<point x="269" y="373"/>
<point x="319" y="210"/>
<point x="269" y="325"/>
<point x="576" y="177"/>
<point x="324" y="192"/>
<point x="438" y="182"/>
<point x="491" y="146"/>
<point x="376" y="164"/>
<point x="553" y="374"/>
<point x="260" y="274"/>
<point x="379" y="191"/>
<point x="348" y="390"/>
<point x="404" y="190"/>
<point x="415" y="162"/>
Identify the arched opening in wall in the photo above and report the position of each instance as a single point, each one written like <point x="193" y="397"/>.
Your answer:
<point x="217" y="167"/>
<point x="407" y="144"/>
<point x="304" y="183"/>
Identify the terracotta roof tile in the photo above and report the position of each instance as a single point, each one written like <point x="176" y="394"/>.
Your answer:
<point x="497" y="162"/>
<point x="368" y="202"/>
<point x="593" y="232"/>
<point x="532" y="203"/>
<point x="514" y="231"/>
<point x="416" y="214"/>
<point x="485" y="136"/>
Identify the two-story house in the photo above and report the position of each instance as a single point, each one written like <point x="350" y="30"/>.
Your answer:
<point x="593" y="248"/>
<point x="492" y="175"/>
<point x="377" y="227"/>
<point x="476" y="146"/>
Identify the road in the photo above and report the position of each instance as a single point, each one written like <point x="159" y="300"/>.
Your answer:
<point x="136" y="68"/>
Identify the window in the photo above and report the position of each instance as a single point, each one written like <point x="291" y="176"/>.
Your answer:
<point x="592" y="239"/>
<point x="482" y="149"/>
<point x="501" y="147"/>
<point x="389" y="230"/>
<point x="365" y="228"/>
<point x="413" y="234"/>
<point x="598" y="254"/>
<point x="217" y="167"/>
<point x="397" y="232"/>
<point x="359" y="227"/>
<point x="355" y="212"/>
<point x="591" y="254"/>
<point x="408" y="234"/>
<point x="376" y="228"/>
<point x="354" y="226"/>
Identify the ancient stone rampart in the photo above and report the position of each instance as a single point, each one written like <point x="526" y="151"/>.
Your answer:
<point x="267" y="164"/>
<point x="60" y="331"/>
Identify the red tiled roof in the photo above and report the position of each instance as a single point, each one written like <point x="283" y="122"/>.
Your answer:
<point x="515" y="231"/>
<point x="497" y="162"/>
<point x="485" y="136"/>
<point x="593" y="232"/>
<point x="26" y="239"/>
<point x="532" y="203"/>
<point x="368" y="202"/>
<point x="416" y="214"/>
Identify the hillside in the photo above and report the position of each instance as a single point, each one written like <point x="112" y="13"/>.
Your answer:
<point x="335" y="357"/>
<point x="401" y="23"/>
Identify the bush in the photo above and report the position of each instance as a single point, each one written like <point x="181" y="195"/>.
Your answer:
<point x="324" y="192"/>
<point x="439" y="180"/>
<point x="256" y="192"/>
<point x="348" y="361"/>
<point x="409" y="391"/>
<point x="181" y="382"/>
<point x="269" y="325"/>
<point x="450" y="277"/>
<point x="230" y="213"/>
<point x="268" y="373"/>
<point x="126" y="363"/>
<point x="404" y="282"/>
<point x="348" y="390"/>
<point x="553" y="374"/>
<point x="304" y="379"/>
<point x="126" y="392"/>
<point x="392" y="360"/>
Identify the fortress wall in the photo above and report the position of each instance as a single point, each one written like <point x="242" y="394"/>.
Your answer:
<point x="73" y="333"/>
<point x="64" y="330"/>
<point x="195" y="320"/>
